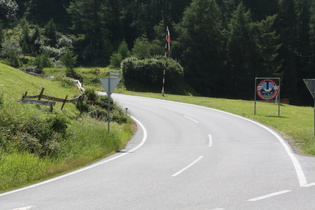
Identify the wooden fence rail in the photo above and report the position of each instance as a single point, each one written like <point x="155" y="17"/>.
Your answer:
<point x="52" y="100"/>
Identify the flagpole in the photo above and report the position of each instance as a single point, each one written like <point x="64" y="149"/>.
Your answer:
<point x="167" y="50"/>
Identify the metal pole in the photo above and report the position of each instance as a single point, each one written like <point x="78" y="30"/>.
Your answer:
<point x="164" y="72"/>
<point x="255" y="96"/>
<point x="279" y="97"/>
<point x="108" y="98"/>
<point x="166" y="50"/>
<point x="314" y="105"/>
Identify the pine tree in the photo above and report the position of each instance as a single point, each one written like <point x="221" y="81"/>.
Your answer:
<point x="243" y="53"/>
<point x="200" y="36"/>
<point x="268" y="42"/>
<point x="287" y="27"/>
<point x="51" y="32"/>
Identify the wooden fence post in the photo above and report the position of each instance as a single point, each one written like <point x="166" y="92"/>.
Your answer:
<point x="23" y="96"/>
<point x="64" y="102"/>
<point x="41" y="93"/>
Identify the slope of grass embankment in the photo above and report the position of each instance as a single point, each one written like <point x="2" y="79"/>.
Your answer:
<point x="36" y="144"/>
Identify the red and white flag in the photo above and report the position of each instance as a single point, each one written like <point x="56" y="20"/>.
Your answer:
<point x="168" y="41"/>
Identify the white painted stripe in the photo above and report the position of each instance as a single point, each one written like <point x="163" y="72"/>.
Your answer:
<point x="296" y="163"/>
<point x="88" y="167"/>
<point x="298" y="168"/>
<point x="310" y="185"/>
<point x="210" y="140"/>
<point x="24" y="208"/>
<point x="269" y="195"/>
<point x="187" y="167"/>
<point x="191" y="119"/>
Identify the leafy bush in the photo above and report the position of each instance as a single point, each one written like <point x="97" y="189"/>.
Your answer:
<point x="141" y="48"/>
<point x="96" y="107"/>
<point x="41" y="62"/>
<point x="91" y="96"/>
<point x="115" y="60"/>
<point x="150" y="71"/>
<point x="14" y="59"/>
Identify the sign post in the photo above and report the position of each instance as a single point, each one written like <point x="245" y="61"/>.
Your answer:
<point x="310" y="84"/>
<point x="267" y="90"/>
<point x="109" y="84"/>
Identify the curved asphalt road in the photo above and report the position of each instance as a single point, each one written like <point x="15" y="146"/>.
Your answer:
<point x="183" y="157"/>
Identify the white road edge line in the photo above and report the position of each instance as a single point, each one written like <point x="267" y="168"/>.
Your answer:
<point x="190" y="165"/>
<point x="191" y="119"/>
<point x="298" y="168"/>
<point x="210" y="140"/>
<point x="310" y="185"/>
<point x="269" y="195"/>
<point x="88" y="167"/>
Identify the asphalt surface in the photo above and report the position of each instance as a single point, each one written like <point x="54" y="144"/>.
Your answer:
<point x="183" y="157"/>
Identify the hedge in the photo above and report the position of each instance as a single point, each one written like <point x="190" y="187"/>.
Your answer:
<point x="150" y="71"/>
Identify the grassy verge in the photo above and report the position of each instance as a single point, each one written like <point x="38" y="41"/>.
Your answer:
<point x="295" y="123"/>
<point x="36" y="144"/>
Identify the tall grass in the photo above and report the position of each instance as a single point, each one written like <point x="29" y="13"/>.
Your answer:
<point x="86" y="140"/>
<point x="36" y="144"/>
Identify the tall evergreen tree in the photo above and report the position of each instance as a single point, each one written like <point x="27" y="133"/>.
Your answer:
<point x="268" y="42"/>
<point x="243" y="53"/>
<point x="201" y="38"/>
<point x="260" y="9"/>
<point x="41" y="11"/>
<point x="88" y="20"/>
<point x="287" y="27"/>
<point x="51" y="32"/>
<point x="305" y="63"/>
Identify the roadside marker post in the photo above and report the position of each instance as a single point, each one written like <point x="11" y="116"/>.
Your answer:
<point x="310" y="84"/>
<point x="109" y="84"/>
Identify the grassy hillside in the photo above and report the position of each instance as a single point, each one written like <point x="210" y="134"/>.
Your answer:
<point x="36" y="144"/>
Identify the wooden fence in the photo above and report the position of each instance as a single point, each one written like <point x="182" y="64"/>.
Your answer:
<point x="51" y="100"/>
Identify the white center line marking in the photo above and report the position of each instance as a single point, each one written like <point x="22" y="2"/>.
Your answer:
<point x="190" y="165"/>
<point x="296" y="163"/>
<point x="210" y="140"/>
<point x="191" y="119"/>
<point x="24" y="208"/>
<point x="269" y="195"/>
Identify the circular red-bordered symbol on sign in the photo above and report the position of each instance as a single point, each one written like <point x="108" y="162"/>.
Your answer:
<point x="267" y="89"/>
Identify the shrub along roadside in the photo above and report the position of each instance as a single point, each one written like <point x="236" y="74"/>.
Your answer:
<point x="36" y="145"/>
<point x="149" y="71"/>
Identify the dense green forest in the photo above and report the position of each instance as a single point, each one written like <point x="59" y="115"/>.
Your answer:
<point x="221" y="44"/>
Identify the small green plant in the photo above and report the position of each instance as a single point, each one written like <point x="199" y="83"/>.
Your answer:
<point x="115" y="60"/>
<point x="14" y="59"/>
<point x="41" y="62"/>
